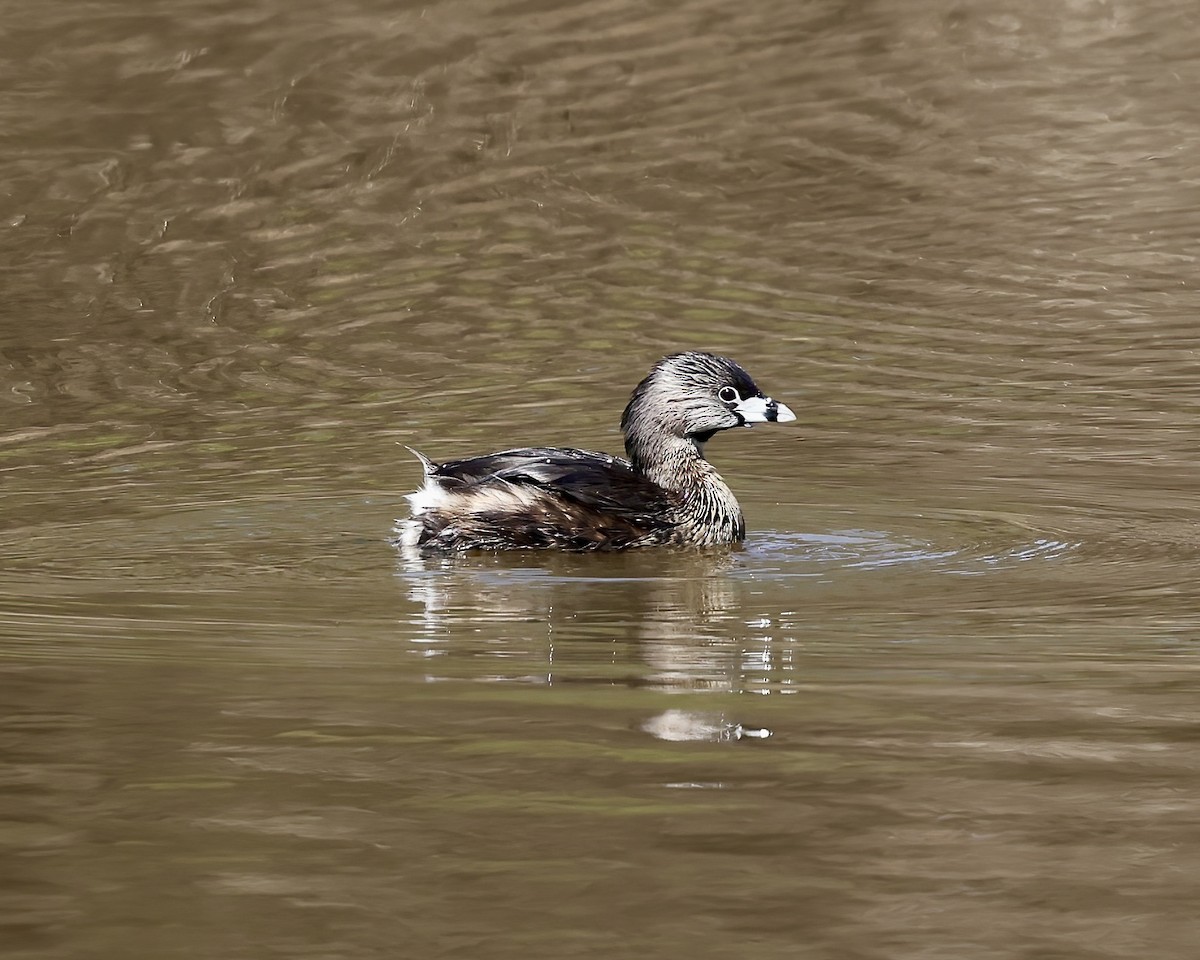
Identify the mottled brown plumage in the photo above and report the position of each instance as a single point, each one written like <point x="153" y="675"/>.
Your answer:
<point x="542" y="497"/>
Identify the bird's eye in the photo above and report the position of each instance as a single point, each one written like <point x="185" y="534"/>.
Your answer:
<point x="728" y="395"/>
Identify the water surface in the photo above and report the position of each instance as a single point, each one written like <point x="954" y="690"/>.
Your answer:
<point x="943" y="702"/>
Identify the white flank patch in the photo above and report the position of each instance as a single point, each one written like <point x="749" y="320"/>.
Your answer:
<point x="430" y="498"/>
<point x="490" y="496"/>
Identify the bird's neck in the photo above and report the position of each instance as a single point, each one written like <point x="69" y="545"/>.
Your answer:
<point x="709" y="512"/>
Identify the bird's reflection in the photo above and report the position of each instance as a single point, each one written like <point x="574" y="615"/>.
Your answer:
<point x="675" y="621"/>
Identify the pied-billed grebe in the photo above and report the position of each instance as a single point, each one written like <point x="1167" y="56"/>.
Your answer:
<point x="665" y="493"/>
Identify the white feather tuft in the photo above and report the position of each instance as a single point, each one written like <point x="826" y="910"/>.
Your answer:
<point x="431" y="494"/>
<point x="428" y="499"/>
<point x="408" y="534"/>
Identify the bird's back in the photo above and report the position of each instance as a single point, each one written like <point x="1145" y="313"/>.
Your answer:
<point x="534" y="498"/>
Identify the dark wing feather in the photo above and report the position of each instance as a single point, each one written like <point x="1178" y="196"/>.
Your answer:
<point x="595" y="480"/>
<point x="588" y="501"/>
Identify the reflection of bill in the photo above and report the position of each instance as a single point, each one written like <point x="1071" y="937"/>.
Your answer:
<point x="679" y="725"/>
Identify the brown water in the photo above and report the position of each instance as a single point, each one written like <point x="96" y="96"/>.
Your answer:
<point x="249" y="249"/>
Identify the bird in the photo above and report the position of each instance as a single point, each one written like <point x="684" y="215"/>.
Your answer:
<point x="663" y="493"/>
